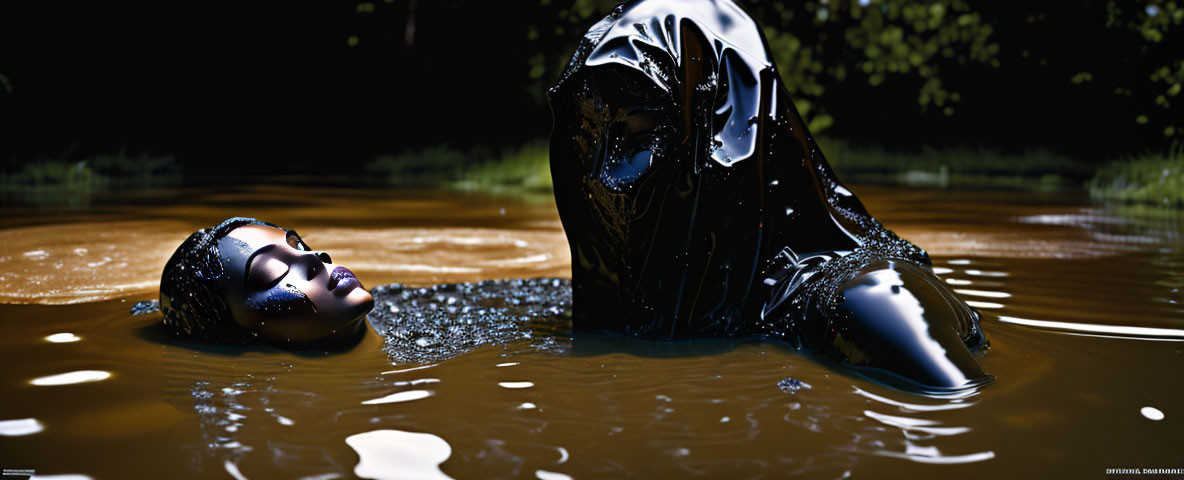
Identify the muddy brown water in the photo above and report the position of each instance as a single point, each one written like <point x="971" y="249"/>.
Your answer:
<point x="1082" y="303"/>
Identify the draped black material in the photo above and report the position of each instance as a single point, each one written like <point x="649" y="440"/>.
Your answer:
<point x="695" y="201"/>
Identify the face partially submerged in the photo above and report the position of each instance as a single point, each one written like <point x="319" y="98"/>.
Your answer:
<point x="281" y="289"/>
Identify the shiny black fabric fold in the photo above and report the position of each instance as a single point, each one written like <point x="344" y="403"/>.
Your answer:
<point x="696" y="203"/>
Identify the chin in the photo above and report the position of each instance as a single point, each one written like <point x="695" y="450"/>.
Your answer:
<point x="363" y="302"/>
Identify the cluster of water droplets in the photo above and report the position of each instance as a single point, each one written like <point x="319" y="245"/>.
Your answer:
<point x="430" y="324"/>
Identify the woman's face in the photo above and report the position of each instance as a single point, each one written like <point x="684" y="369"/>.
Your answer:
<point x="285" y="291"/>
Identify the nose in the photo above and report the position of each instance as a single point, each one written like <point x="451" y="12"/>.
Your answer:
<point x="312" y="267"/>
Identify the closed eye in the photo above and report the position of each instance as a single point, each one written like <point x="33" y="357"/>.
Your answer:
<point x="266" y="272"/>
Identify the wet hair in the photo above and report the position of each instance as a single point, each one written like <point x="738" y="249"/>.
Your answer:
<point x="192" y="292"/>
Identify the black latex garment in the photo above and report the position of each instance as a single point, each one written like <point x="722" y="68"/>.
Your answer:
<point x="697" y="204"/>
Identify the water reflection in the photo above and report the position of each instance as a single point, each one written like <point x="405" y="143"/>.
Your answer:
<point x="405" y="396"/>
<point x="607" y="406"/>
<point x="1144" y="333"/>
<point x="918" y="434"/>
<point x="69" y="378"/>
<point x="982" y="293"/>
<point x="232" y="469"/>
<point x="1152" y="413"/>
<point x="395" y="454"/>
<point x="915" y="428"/>
<point x="547" y="475"/>
<point x="98" y="259"/>
<point x="953" y="404"/>
<point x="62" y="338"/>
<point x="412" y="369"/>
<point x="1102" y="294"/>
<point x="980" y="273"/>
<point x="256" y="416"/>
<point x="933" y="455"/>
<point x="20" y="427"/>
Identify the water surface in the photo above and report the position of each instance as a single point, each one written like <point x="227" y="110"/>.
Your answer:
<point x="1082" y="307"/>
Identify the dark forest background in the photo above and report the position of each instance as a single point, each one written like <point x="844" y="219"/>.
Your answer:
<point x="326" y="86"/>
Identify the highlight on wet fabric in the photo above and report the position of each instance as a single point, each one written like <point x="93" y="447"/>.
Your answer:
<point x="697" y="204"/>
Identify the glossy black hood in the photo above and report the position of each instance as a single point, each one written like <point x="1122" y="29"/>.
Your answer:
<point x="693" y="197"/>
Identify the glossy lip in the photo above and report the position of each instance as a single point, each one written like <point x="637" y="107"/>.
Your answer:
<point x="342" y="277"/>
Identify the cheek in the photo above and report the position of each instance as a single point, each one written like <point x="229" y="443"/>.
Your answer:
<point x="282" y="302"/>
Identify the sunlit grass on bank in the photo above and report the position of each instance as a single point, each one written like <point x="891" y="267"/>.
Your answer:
<point x="1150" y="179"/>
<point x="56" y="180"/>
<point x="524" y="169"/>
<point x="1035" y="169"/>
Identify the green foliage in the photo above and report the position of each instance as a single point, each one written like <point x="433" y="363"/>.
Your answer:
<point x="554" y="40"/>
<point x="822" y="43"/>
<point x="49" y="180"/>
<point x="1081" y="77"/>
<point x="874" y="43"/>
<point x="837" y="57"/>
<point x="1147" y="179"/>
<point x="1160" y="23"/>
<point x="51" y="173"/>
<point x="522" y="169"/>
<point x="526" y="168"/>
<point x="431" y="166"/>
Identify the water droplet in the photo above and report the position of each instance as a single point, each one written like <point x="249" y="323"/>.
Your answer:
<point x="792" y="385"/>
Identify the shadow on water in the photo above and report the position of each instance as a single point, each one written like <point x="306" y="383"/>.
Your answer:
<point x="422" y="325"/>
<point x="591" y="344"/>
<point x="154" y="333"/>
<point x="431" y="324"/>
